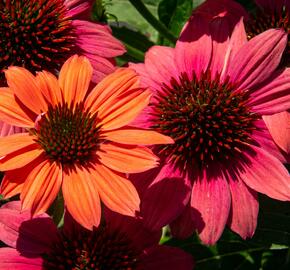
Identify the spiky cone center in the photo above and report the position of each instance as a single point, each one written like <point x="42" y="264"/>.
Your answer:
<point x="208" y="120"/>
<point x="100" y="249"/>
<point x="264" y="20"/>
<point x="35" y="34"/>
<point x="68" y="134"/>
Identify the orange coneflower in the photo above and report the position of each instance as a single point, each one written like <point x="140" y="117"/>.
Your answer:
<point x="75" y="141"/>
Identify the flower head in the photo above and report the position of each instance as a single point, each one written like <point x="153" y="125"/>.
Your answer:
<point x="42" y="34"/>
<point x="75" y="141"/>
<point x="210" y="94"/>
<point x="122" y="244"/>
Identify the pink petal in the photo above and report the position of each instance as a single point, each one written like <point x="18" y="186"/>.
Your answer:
<point x="101" y="67"/>
<point x="211" y="198"/>
<point x="6" y="129"/>
<point x="165" y="257"/>
<point x="279" y="127"/>
<point x="160" y="65"/>
<point x="165" y="198"/>
<point x="237" y="40"/>
<point x="18" y="230"/>
<point x="220" y="31"/>
<point x="94" y="38"/>
<point x="145" y="78"/>
<point x="258" y="58"/>
<point x="266" y="174"/>
<point x="194" y="47"/>
<point x="262" y="136"/>
<point x="245" y="208"/>
<point x="11" y="259"/>
<point x="274" y="96"/>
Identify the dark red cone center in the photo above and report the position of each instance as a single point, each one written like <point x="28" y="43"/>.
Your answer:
<point x="35" y="34"/>
<point x="208" y="119"/>
<point x="68" y="135"/>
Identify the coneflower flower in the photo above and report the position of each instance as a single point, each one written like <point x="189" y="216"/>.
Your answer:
<point x="75" y="141"/>
<point x="122" y="244"/>
<point x="209" y="95"/>
<point x="41" y="35"/>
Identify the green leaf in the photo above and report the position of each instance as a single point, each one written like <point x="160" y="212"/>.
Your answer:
<point x="175" y="13"/>
<point x="273" y="223"/>
<point x="136" y="43"/>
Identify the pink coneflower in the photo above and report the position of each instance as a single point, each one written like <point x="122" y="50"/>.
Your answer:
<point x="209" y="95"/>
<point x="42" y="34"/>
<point x="122" y="244"/>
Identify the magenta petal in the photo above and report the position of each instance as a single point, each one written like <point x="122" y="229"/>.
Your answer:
<point x="211" y="199"/>
<point x="101" y="67"/>
<point x="244" y="210"/>
<point x="11" y="259"/>
<point x="106" y="46"/>
<point x="279" y="127"/>
<point x="165" y="198"/>
<point x="166" y="258"/>
<point x="265" y="174"/>
<point x="10" y="221"/>
<point x="133" y="227"/>
<point x="184" y="226"/>
<point x="27" y="235"/>
<point x="258" y="58"/>
<point x="194" y="47"/>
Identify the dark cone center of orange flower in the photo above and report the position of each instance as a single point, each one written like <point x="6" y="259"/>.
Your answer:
<point x="35" y="34"/>
<point x="96" y="250"/>
<point x="264" y="20"/>
<point x="68" y="134"/>
<point x="209" y="121"/>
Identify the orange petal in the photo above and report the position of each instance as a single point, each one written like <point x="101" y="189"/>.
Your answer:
<point x="49" y="86"/>
<point x="74" y="78"/>
<point x="127" y="158"/>
<point x="20" y="157"/>
<point x="41" y="187"/>
<point x="13" y="180"/>
<point x="10" y="111"/>
<point x="110" y="87"/>
<point x="24" y="86"/>
<point x="117" y="193"/>
<point x="125" y="109"/>
<point x="14" y="142"/>
<point x="81" y="197"/>
<point x="131" y="135"/>
<point x="11" y="188"/>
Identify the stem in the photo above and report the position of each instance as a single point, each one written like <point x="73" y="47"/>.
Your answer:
<point x="216" y="257"/>
<point x="147" y="15"/>
<point x="137" y="54"/>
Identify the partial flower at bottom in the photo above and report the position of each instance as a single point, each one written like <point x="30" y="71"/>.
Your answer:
<point x="121" y="244"/>
<point x="74" y="141"/>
